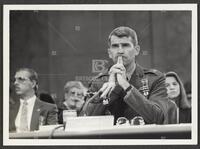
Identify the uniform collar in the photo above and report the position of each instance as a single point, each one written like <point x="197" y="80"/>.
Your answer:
<point x="128" y="75"/>
<point x="139" y="71"/>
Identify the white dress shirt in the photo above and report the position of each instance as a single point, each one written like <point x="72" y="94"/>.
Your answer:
<point x="31" y="103"/>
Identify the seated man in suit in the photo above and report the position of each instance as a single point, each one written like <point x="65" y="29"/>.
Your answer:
<point x="28" y="112"/>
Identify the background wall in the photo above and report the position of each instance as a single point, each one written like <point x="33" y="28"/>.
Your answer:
<point x="72" y="45"/>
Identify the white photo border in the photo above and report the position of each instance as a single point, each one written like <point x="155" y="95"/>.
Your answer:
<point x="100" y="7"/>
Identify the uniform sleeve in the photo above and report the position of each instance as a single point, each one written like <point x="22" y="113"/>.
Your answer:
<point x="154" y="109"/>
<point x="95" y="109"/>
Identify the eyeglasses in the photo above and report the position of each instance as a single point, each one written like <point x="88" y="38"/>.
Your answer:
<point x="79" y="95"/>
<point x="138" y="120"/>
<point x="20" y="79"/>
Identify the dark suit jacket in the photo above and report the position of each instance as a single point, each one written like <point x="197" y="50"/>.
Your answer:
<point x="47" y="111"/>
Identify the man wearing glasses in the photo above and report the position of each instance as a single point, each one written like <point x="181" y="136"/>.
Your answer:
<point x="28" y="112"/>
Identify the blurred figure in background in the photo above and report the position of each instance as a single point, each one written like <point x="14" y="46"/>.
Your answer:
<point x="46" y="98"/>
<point x="188" y="91"/>
<point x="74" y="98"/>
<point x="176" y="92"/>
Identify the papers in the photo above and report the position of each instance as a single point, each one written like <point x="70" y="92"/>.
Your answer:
<point x="89" y="123"/>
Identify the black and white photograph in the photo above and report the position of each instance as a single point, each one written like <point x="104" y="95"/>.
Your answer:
<point x="100" y="74"/>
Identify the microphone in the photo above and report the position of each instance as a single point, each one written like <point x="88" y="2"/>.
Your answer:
<point x="85" y="106"/>
<point x="104" y="91"/>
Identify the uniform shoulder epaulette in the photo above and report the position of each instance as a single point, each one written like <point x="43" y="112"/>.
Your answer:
<point x="153" y="71"/>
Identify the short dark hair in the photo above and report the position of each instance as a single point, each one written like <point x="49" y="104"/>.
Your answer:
<point x="33" y="76"/>
<point x="124" y="31"/>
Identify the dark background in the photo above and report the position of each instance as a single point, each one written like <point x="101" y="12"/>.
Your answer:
<point x="62" y="45"/>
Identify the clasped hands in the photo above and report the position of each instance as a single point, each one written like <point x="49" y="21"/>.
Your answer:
<point x="117" y="73"/>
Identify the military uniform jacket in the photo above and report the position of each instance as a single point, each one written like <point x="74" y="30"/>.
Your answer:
<point x="147" y="98"/>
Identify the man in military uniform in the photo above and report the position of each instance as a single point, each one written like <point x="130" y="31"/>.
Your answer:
<point x="127" y="89"/>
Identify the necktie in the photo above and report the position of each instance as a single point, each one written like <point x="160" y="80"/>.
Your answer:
<point x="24" y="117"/>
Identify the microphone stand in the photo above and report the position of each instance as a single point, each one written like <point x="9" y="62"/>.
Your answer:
<point x="111" y="80"/>
<point x="85" y="106"/>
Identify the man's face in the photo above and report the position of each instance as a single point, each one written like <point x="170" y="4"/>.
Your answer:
<point x="23" y="85"/>
<point x="75" y="98"/>
<point x="173" y="87"/>
<point x="123" y="47"/>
